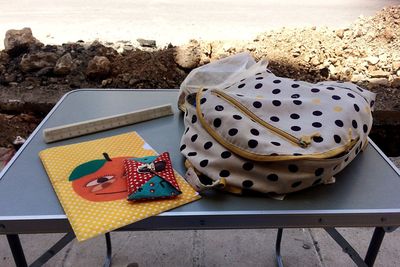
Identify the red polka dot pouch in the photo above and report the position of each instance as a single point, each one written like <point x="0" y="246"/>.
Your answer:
<point x="151" y="177"/>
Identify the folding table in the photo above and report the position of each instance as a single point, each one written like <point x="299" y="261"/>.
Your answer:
<point x="366" y="193"/>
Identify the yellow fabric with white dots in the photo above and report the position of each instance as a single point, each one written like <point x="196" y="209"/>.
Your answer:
<point x="88" y="218"/>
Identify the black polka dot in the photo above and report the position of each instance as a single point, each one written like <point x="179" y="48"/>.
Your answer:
<point x="346" y="159"/>
<point x="192" y="154"/>
<point x="318" y="181"/>
<point x="359" y="88"/>
<point x="315" y="90"/>
<point x="334" y="168"/>
<point x="241" y="85"/>
<point x="208" y="145"/>
<point x="226" y="154"/>
<point x="252" y="143"/>
<point x="297" y="154"/>
<point x="224" y="173"/>
<point x="204" y="163"/>
<point x="365" y="128"/>
<point x="336" y="97"/>
<point x="372" y="103"/>
<point x="351" y="95"/>
<point x="317" y="124"/>
<point x="297" y="102"/>
<point x="187" y="129"/>
<point x="330" y="88"/>
<point x="319" y="172"/>
<point x="248" y="166"/>
<point x="247" y="184"/>
<point x="339" y="123"/>
<point x="276" y="143"/>
<point x="357" y="150"/>
<point x="203" y="100"/>
<point x="277" y="81"/>
<point x="258" y="85"/>
<point x="356" y="108"/>
<point x="240" y="95"/>
<point x="219" y="108"/>
<point x="274" y="119"/>
<point x="194" y="119"/>
<point x="294" y="116"/>
<point x="276" y="103"/>
<point x="257" y="104"/>
<point x="276" y="91"/>
<point x="317" y="113"/>
<point x="337" y="138"/>
<point x="295" y="128"/>
<point x="296" y="184"/>
<point x="295" y="85"/>
<point x="182" y="147"/>
<point x="354" y="124"/>
<point x="217" y="122"/>
<point x="273" y="177"/>
<point x="194" y="137"/>
<point x="295" y="96"/>
<point x="318" y="139"/>
<point x="259" y="78"/>
<point x="233" y="132"/>
<point x="293" y="168"/>
<point x="254" y="132"/>
<point x="237" y="117"/>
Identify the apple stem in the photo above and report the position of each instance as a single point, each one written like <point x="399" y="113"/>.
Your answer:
<point x="107" y="157"/>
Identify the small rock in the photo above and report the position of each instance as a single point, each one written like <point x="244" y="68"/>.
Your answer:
<point x="315" y="61"/>
<point x="378" y="82"/>
<point x="396" y="82"/>
<point x="188" y="56"/>
<point x="64" y="65"/>
<point x="296" y="52"/>
<point x="373" y="60"/>
<point x="18" y="142"/>
<point x="47" y="71"/>
<point x="37" y="61"/>
<point x="398" y="73"/>
<point x="396" y="65"/>
<point x="147" y="43"/>
<point x="379" y="74"/>
<point x="340" y="33"/>
<point x="17" y="42"/>
<point x="357" y="78"/>
<point x="4" y="58"/>
<point x="98" y="67"/>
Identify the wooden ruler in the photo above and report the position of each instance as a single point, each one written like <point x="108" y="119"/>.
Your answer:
<point x="105" y="123"/>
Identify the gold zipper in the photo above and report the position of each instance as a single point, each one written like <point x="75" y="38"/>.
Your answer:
<point x="303" y="141"/>
<point x="257" y="157"/>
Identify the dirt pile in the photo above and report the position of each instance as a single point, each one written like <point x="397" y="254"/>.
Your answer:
<point x="34" y="76"/>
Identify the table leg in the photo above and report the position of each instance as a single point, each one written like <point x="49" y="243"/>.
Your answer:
<point x="279" y="261"/>
<point x="17" y="250"/>
<point x="107" y="262"/>
<point x="374" y="246"/>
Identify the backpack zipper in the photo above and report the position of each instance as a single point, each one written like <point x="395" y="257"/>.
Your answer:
<point x="257" y="157"/>
<point x="303" y="141"/>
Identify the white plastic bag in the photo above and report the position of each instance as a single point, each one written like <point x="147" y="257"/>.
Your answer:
<point x="220" y="74"/>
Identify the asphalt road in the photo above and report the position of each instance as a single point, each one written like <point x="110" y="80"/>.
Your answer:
<point x="177" y="21"/>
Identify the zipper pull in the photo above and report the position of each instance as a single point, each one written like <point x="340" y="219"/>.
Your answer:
<point x="305" y="140"/>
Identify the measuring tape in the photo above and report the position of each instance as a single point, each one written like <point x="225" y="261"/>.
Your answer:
<point x="105" y="123"/>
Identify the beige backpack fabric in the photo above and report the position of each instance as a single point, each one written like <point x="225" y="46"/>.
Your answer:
<point x="266" y="133"/>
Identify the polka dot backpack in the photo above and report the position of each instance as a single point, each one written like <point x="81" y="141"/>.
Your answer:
<point x="255" y="131"/>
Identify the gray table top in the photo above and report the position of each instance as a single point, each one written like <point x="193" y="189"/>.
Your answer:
<point x="366" y="193"/>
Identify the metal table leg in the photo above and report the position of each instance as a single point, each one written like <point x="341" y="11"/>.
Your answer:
<point x="107" y="261"/>
<point x="16" y="249"/>
<point x="374" y="246"/>
<point x="279" y="261"/>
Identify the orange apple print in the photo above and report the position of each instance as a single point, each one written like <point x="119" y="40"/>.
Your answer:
<point x="100" y="179"/>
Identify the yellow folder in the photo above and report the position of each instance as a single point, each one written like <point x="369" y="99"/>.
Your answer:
<point x="95" y="199"/>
